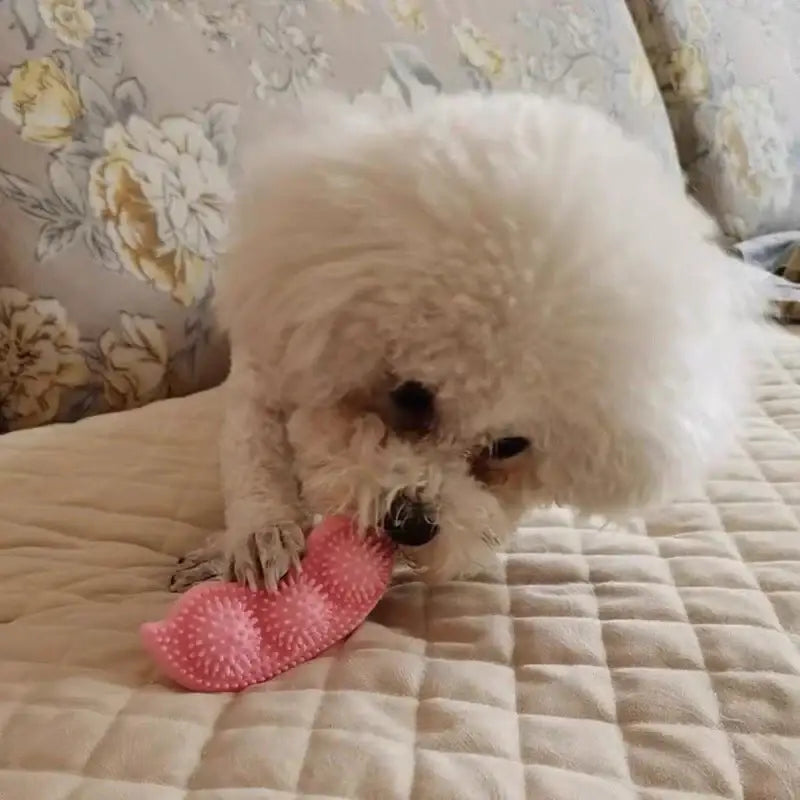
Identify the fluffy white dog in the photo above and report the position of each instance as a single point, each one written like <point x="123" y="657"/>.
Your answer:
<point x="440" y="318"/>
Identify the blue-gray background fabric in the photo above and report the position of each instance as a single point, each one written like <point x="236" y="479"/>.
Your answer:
<point x="778" y="254"/>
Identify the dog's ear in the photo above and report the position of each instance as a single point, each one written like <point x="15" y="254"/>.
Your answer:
<point x="643" y="436"/>
<point x="613" y="470"/>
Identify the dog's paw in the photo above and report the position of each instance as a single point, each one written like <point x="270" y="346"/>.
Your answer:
<point x="262" y="558"/>
<point x="197" y="566"/>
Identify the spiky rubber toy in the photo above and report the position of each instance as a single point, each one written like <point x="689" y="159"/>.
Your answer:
<point x="221" y="637"/>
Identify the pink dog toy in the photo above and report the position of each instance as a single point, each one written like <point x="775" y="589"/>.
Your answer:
<point x="222" y="637"/>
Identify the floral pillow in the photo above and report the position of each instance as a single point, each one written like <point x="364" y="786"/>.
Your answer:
<point x="730" y="74"/>
<point x="118" y="136"/>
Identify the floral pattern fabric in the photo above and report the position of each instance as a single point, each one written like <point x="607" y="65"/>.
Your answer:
<point x="118" y="142"/>
<point x="729" y="71"/>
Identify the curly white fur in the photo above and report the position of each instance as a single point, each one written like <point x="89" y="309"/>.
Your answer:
<point x="521" y="256"/>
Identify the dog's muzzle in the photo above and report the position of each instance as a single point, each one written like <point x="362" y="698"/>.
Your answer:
<point x="410" y="522"/>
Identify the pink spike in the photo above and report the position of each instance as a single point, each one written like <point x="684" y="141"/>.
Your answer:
<point x="221" y="637"/>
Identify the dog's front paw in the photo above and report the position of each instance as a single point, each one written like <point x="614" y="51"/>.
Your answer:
<point x="263" y="557"/>
<point x="197" y="566"/>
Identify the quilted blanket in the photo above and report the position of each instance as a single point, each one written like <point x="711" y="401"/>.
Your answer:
<point x="655" y="662"/>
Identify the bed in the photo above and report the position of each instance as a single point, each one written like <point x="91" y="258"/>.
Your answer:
<point x="659" y="661"/>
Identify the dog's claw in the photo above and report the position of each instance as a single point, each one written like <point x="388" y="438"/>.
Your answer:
<point x="262" y="558"/>
<point x="195" y="567"/>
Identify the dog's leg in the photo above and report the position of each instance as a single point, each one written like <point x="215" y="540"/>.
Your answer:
<point x="264" y="517"/>
<point x="203" y="564"/>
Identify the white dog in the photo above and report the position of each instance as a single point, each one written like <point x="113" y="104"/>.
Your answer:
<point x="442" y="317"/>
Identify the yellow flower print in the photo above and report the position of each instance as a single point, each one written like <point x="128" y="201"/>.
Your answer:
<point x="133" y="364"/>
<point x="162" y="194"/>
<point x="68" y="19"/>
<point x="408" y="13"/>
<point x="478" y="51"/>
<point x="688" y="74"/>
<point x="39" y="357"/>
<point x="750" y="143"/>
<point x="43" y="101"/>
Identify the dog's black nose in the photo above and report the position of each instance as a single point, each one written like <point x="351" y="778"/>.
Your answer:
<point x="410" y="522"/>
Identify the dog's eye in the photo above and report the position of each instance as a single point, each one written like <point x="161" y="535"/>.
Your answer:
<point x="414" y="397"/>
<point x="482" y="462"/>
<point x="508" y="447"/>
<point x="414" y="404"/>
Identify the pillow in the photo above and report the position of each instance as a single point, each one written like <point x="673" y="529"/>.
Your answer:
<point x="118" y="139"/>
<point x="730" y="73"/>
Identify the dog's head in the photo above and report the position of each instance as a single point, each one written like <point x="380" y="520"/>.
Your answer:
<point x="482" y="305"/>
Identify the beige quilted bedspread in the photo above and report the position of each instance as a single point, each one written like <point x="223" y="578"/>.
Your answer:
<point x="656" y="663"/>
